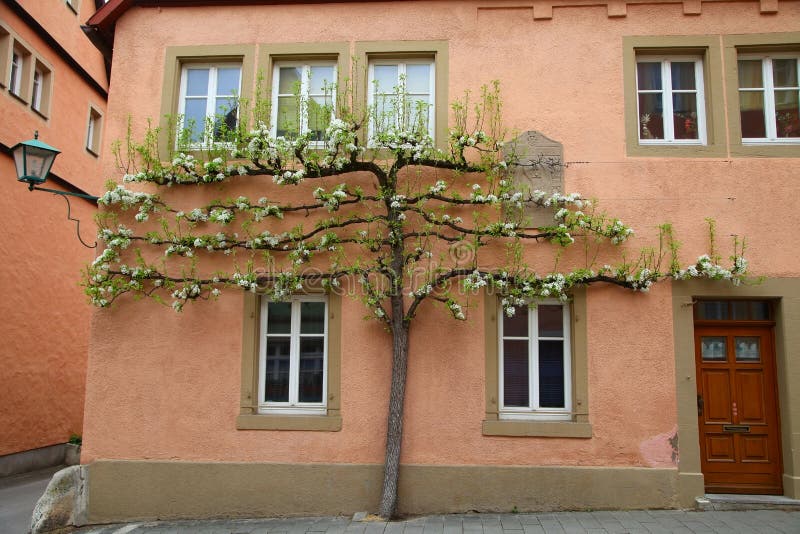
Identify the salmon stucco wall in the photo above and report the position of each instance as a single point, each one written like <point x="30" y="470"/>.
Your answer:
<point x="45" y="326"/>
<point x="166" y="386"/>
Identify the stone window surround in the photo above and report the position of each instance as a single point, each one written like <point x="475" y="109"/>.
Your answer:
<point x="249" y="418"/>
<point x="96" y="131"/>
<point x="705" y="46"/>
<point x="31" y="61"/>
<point x="579" y="427"/>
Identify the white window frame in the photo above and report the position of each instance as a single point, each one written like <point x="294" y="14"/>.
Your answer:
<point x="666" y="93"/>
<point x="401" y="72"/>
<point x="534" y="411"/>
<point x="768" y="90"/>
<point x="293" y="406"/>
<point x="15" y="78"/>
<point x="304" y="93"/>
<point x="211" y="98"/>
<point x="36" y="95"/>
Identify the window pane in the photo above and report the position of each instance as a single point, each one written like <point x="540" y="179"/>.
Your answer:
<point x="287" y="116"/>
<point x="748" y="349"/>
<point x="713" y="348"/>
<point x="784" y="72"/>
<point x="740" y="310"/>
<point x="312" y="317"/>
<point x="418" y="78"/>
<point x="320" y="80"/>
<point x="276" y="381"/>
<point x="279" y="316"/>
<point x="385" y="78"/>
<point x="684" y="106"/>
<point x="649" y="76"/>
<point x="516" y="325"/>
<point x="515" y="373"/>
<point x="651" y="120"/>
<point x="712" y="310"/>
<point x="225" y="118"/>
<point x="418" y="107"/>
<point x="194" y="118"/>
<point x="749" y="310"/>
<point x="551" y="320"/>
<point x="289" y="80"/>
<point x="197" y="82"/>
<point x="551" y="374"/>
<point x="751" y="105"/>
<point x="787" y="113"/>
<point x="311" y="372"/>
<point x="750" y="74"/>
<point x="319" y="116"/>
<point x="228" y="81"/>
<point x="759" y="310"/>
<point x="683" y="75"/>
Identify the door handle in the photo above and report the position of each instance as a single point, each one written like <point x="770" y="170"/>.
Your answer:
<point x="699" y="404"/>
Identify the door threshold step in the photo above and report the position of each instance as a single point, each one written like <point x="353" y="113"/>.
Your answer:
<point x="729" y="501"/>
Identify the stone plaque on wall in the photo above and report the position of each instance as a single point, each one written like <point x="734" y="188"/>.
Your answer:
<point x="539" y="165"/>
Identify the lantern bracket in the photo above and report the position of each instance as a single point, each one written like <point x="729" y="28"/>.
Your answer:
<point x="63" y="194"/>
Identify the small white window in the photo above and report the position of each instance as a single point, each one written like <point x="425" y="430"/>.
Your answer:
<point x="208" y="106"/>
<point x="671" y="100"/>
<point x="93" y="131"/>
<point x="303" y="97"/>
<point x="293" y="356"/>
<point x="535" y="362"/>
<point x="15" y="81"/>
<point x="401" y="95"/>
<point x="36" y="97"/>
<point x="769" y="97"/>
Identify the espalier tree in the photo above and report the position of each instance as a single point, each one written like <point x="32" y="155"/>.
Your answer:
<point x="388" y="214"/>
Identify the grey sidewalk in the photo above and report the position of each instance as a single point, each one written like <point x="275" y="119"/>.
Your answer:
<point x="633" y="522"/>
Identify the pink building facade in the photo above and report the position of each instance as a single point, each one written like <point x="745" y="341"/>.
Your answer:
<point x="52" y="81"/>
<point x="692" y="387"/>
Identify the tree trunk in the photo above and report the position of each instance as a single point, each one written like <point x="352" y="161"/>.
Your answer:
<point x="394" y="430"/>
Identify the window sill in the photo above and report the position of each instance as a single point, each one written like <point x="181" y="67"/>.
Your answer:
<point x="318" y="423"/>
<point x="38" y="112"/>
<point x="545" y="429"/>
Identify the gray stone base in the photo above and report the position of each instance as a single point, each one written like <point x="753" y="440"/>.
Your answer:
<point x="32" y="460"/>
<point x="63" y="503"/>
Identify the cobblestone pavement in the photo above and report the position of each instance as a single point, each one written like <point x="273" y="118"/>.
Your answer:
<point x="632" y="522"/>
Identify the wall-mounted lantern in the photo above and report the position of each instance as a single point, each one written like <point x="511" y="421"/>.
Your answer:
<point x="33" y="160"/>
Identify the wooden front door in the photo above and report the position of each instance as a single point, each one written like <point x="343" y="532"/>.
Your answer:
<point x="737" y="408"/>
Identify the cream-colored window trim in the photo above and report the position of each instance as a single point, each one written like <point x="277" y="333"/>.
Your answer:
<point x="5" y="55"/>
<point x="436" y="50"/>
<point x="74" y="5"/>
<point x="249" y="418"/>
<point x="708" y="48"/>
<point x="759" y="43"/>
<point x="45" y="89"/>
<point x="94" y="130"/>
<point x="178" y="56"/>
<point x="579" y="426"/>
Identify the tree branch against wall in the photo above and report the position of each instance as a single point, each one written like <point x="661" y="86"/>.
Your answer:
<point x="387" y="217"/>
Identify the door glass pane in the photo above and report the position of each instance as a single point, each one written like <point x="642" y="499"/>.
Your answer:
<point x="750" y="74"/>
<point x="740" y="310"/>
<point x="311" y="368"/>
<point x="551" y="320"/>
<point x="228" y="81"/>
<point x="279" y="317"/>
<point x="651" y="120"/>
<point x="684" y="107"/>
<point x="551" y="374"/>
<point x="759" y="310"/>
<point x="683" y="75"/>
<point x="385" y="78"/>
<point x="784" y="72"/>
<point x="197" y="82"/>
<point x="276" y="383"/>
<point x="289" y="81"/>
<point x="516" y="325"/>
<point x="748" y="348"/>
<point x="648" y="76"/>
<point x="515" y="373"/>
<point x="751" y="109"/>
<point x="787" y="113"/>
<point x="312" y="317"/>
<point x="320" y="80"/>
<point x="712" y="310"/>
<point x="418" y="78"/>
<point x="713" y="348"/>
